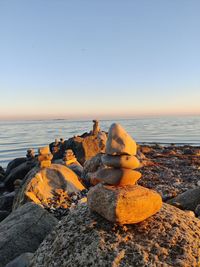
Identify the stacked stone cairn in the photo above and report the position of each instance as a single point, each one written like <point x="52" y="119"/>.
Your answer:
<point x="30" y="154"/>
<point x="117" y="197"/>
<point x="44" y="157"/>
<point x="69" y="158"/>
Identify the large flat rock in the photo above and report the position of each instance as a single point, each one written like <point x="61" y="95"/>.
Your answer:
<point x="169" y="238"/>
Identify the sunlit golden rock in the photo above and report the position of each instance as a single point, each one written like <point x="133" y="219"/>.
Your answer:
<point x="117" y="177"/>
<point x="42" y="182"/>
<point x="120" y="142"/>
<point x="124" y="205"/>
<point x="122" y="161"/>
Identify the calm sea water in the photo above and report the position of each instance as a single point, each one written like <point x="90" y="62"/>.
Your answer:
<point x="17" y="136"/>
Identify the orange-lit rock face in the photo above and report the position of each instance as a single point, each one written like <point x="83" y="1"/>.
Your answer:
<point x="113" y="176"/>
<point x="41" y="183"/>
<point x="120" y="142"/>
<point x="44" y="150"/>
<point x="124" y="205"/>
<point x="122" y="161"/>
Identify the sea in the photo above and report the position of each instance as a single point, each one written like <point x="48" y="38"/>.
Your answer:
<point x="17" y="136"/>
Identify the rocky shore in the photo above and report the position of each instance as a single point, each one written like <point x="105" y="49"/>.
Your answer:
<point x="48" y="191"/>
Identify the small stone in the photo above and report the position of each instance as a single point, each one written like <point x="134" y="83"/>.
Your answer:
<point x="198" y="183"/>
<point x="122" y="161"/>
<point x="44" y="150"/>
<point x="118" y="177"/>
<point x="120" y="142"/>
<point x="124" y="205"/>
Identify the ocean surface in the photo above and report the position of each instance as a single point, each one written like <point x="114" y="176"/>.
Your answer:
<point x="17" y="136"/>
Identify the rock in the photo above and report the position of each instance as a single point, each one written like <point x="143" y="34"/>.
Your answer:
<point x="198" y="183"/>
<point x="6" y="201"/>
<point x="41" y="183"/>
<point x="92" y="165"/>
<point x="120" y="142"/>
<point x="21" y="261"/>
<point x="3" y="214"/>
<point x="123" y="161"/>
<point x="78" y="169"/>
<point x="124" y="205"/>
<point x="190" y="213"/>
<point x="44" y="150"/>
<point x="197" y="210"/>
<point x="187" y="200"/>
<point x="169" y="238"/>
<point x="18" y="173"/>
<point x="117" y="177"/>
<point x="13" y="164"/>
<point x="23" y="230"/>
<point x="86" y="147"/>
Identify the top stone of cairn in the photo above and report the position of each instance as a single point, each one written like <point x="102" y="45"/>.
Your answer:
<point x="120" y="142"/>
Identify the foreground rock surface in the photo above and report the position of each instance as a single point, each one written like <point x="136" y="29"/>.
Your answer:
<point x="124" y="205"/>
<point x="41" y="184"/>
<point x="21" y="261"/>
<point x="23" y="230"/>
<point x="169" y="238"/>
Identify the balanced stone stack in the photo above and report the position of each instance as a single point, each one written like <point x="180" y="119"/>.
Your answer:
<point x="117" y="197"/>
<point x="30" y="154"/>
<point x="69" y="158"/>
<point x="44" y="157"/>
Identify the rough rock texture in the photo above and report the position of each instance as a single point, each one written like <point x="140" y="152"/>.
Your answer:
<point x="23" y="230"/>
<point x="40" y="184"/>
<point x="21" y="261"/>
<point x="119" y="141"/>
<point x="187" y="200"/>
<point x="169" y="238"/>
<point x="84" y="148"/>
<point x="124" y="205"/>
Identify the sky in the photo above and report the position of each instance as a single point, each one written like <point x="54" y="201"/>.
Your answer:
<point x="99" y="58"/>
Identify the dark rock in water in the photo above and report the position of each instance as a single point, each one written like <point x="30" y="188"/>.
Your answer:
<point x="23" y="230"/>
<point x="85" y="148"/>
<point x="21" y="261"/>
<point x="3" y="214"/>
<point x="14" y="163"/>
<point x="6" y="201"/>
<point x="18" y="172"/>
<point x="169" y="238"/>
<point x="187" y="200"/>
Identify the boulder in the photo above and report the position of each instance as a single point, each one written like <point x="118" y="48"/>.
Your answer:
<point x="18" y="172"/>
<point x="41" y="183"/>
<point x="23" y="230"/>
<point x="169" y="238"/>
<point x="124" y="205"/>
<point x="120" y="142"/>
<point x="187" y="200"/>
<point x="85" y="147"/>
<point x="21" y="261"/>
<point x="117" y="177"/>
<point x="123" y="161"/>
<point x="14" y="163"/>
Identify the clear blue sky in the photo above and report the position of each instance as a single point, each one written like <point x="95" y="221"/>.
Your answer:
<point x="99" y="58"/>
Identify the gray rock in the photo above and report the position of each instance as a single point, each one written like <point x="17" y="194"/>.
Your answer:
<point x="14" y="163"/>
<point x="3" y="214"/>
<point x="23" y="230"/>
<point x="6" y="201"/>
<point x="169" y="238"/>
<point x="18" y="172"/>
<point x="197" y="210"/>
<point x="21" y="261"/>
<point x="187" y="200"/>
<point x="120" y="142"/>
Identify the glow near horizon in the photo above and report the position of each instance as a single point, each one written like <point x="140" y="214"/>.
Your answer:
<point x="99" y="58"/>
